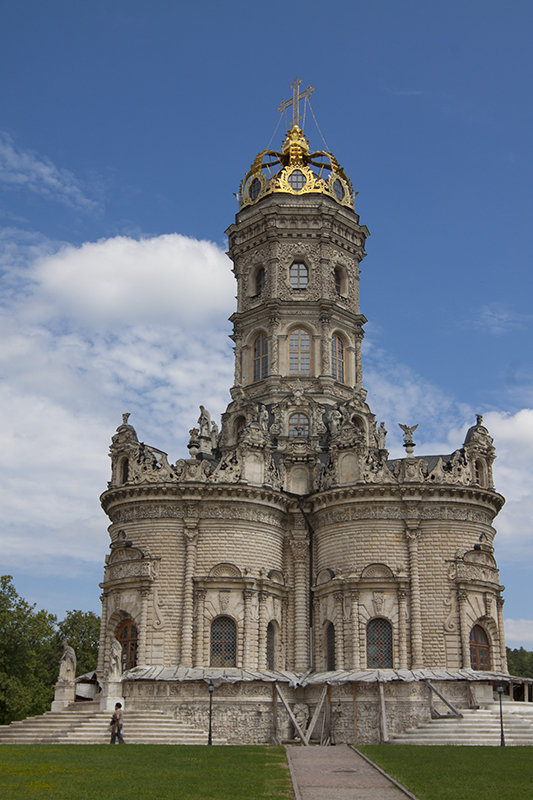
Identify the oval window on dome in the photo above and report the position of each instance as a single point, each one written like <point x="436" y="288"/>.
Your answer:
<point x="255" y="188"/>
<point x="338" y="188"/>
<point x="297" y="180"/>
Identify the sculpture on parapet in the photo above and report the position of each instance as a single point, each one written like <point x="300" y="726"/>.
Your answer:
<point x="204" y="422"/>
<point x="67" y="664"/>
<point x="381" y="436"/>
<point x="408" y="437"/>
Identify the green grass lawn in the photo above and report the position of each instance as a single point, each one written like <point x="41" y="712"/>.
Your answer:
<point x="143" y="772"/>
<point x="458" y="773"/>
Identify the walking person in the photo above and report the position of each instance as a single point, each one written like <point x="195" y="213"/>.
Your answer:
<point x="116" y="725"/>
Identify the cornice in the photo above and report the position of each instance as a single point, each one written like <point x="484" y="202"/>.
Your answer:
<point x="191" y="492"/>
<point x="405" y="492"/>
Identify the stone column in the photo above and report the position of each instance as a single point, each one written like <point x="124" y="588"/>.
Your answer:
<point x="103" y="641"/>
<point x="356" y="658"/>
<point x="142" y="655"/>
<point x="262" y="633"/>
<point x="190" y="537"/>
<point x="325" y="349"/>
<point x="358" y="337"/>
<point x="464" y="627"/>
<point x="237" y="338"/>
<point x="339" y="631"/>
<point x="300" y="552"/>
<point x="413" y="533"/>
<point x="200" y="628"/>
<point x="402" y="628"/>
<point x="273" y="365"/>
<point x="247" y="600"/>
<point x="501" y="633"/>
<point x="285" y="633"/>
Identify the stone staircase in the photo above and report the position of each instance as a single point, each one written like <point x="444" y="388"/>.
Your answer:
<point x="477" y="727"/>
<point x="85" y="724"/>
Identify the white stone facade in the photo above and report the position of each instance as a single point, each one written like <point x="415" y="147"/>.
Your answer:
<point x="288" y="541"/>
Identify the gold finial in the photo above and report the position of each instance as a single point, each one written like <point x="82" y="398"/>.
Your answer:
<point x="295" y="102"/>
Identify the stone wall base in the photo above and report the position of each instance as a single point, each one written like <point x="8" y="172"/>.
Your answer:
<point x="252" y="713"/>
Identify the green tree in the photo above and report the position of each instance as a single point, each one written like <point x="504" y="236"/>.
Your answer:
<point x="30" y="651"/>
<point x="82" y="630"/>
<point x="520" y="662"/>
<point x="28" y="655"/>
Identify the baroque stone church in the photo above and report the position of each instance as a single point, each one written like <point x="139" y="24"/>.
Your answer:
<point x="317" y="585"/>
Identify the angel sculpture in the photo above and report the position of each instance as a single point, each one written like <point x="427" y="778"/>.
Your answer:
<point x="408" y="433"/>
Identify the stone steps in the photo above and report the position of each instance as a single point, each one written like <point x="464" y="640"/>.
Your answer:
<point x="477" y="727"/>
<point x="90" y="726"/>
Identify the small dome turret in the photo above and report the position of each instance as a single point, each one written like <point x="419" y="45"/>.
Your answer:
<point x="295" y="170"/>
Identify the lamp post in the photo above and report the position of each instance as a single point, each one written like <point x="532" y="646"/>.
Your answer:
<point x="500" y="692"/>
<point x="211" y="688"/>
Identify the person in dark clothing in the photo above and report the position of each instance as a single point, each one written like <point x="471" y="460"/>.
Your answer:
<point x="116" y="725"/>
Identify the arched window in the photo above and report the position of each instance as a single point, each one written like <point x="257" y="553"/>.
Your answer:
<point x="124" y="471"/>
<point x="298" y="275"/>
<point x="379" y="644"/>
<point x="223" y="642"/>
<point x="337" y="358"/>
<point x="479" y="472"/>
<point x="260" y="357"/>
<point x="259" y="280"/>
<point x="298" y="425"/>
<point x="338" y="281"/>
<point x="299" y="352"/>
<point x="126" y="634"/>
<point x="240" y="422"/>
<point x="330" y="647"/>
<point x="479" y="649"/>
<point x="271" y="644"/>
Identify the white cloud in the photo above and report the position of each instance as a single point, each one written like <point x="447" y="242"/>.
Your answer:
<point x="519" y="633"/>
<point x="24" y="169"/>
<point x="117" y="325"/>
<point x="496" y="319"/>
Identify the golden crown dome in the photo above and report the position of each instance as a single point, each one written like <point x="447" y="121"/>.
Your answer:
<point x="295" y="170"/>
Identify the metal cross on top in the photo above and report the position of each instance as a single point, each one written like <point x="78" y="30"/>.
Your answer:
<point x="295" y="102"/>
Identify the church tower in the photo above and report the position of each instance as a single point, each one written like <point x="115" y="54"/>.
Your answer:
<point x="288" y="548"/>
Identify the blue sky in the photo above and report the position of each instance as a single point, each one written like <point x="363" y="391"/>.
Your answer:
<point x="125" y="129"/>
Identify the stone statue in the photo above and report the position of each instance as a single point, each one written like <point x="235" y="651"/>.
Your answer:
<point x="204" y="422"/>
<point x="214" y="435"/>
<point x="67" y="664"/>
<point x="407" y="433"/>
<point x="381" y="436"/>
<point x="125" y="418"/>
<point x="334" y="419"/>
<point x="263" y="418"/>
<point x="115" y="667"/>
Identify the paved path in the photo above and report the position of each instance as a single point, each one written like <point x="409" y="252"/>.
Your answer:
<point x="338" y="773"/>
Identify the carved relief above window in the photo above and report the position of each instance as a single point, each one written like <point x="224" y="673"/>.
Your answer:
<point x="298" y="275"/>
<point x="225" y="570"/>
<point x="260" y="357"/>
<point x="337" y="358"/>
<point x="299" y="352"/>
